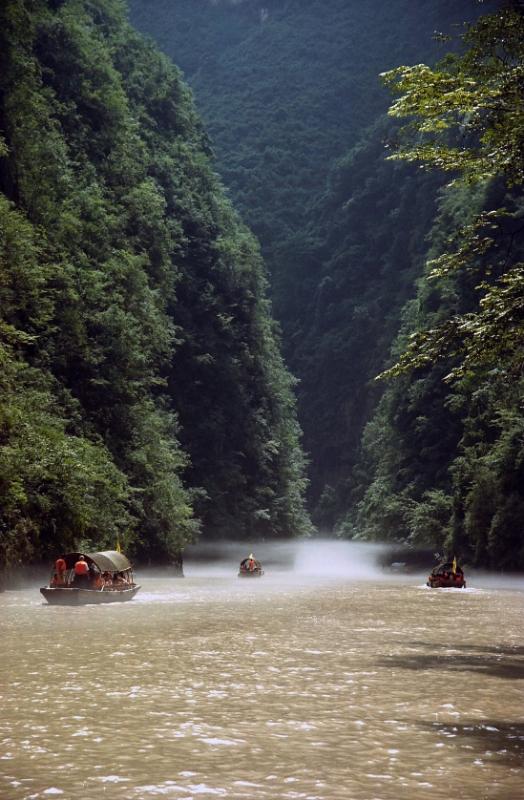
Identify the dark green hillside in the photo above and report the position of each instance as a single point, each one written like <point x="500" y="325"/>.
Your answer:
<point x="140" y="370"/>
<point x="293" y="103"/>
<point x="444" y="453"/>
<point x="442" y="461"/>
<point x="341" y="300"/>
<point x="286" y="93"/>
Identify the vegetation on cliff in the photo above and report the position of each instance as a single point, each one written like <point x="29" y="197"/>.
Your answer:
<point x="446" y="446"/>
<point x="345" y="233"/>
<point x="293" y="102"/>
<point x="143" y="393"/>
<point x="141" y="374"/>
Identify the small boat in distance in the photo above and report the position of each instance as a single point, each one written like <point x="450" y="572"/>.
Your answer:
<point x="250" y="568"/>
<point x="447" y="575"/>
<point x="398" y="567"/>
<point x="80" y="579"/>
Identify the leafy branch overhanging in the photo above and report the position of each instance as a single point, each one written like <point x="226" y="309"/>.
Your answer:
<point x="466" y="116"/>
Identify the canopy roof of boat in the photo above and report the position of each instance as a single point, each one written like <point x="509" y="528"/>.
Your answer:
<point x="107" y="561"/>
<point x="246" y="561"/>
<point x="447" y="567"/>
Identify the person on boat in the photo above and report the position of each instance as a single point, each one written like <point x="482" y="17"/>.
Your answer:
<point x="81" y="578"/>
<point x="251" y="563"/>
<point x="106" y="578"/>
<point x="97" y="581"/>
<point x="60" y="569"/>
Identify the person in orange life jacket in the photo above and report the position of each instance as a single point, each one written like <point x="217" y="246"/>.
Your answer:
<point x="60" y="568"/>
<point x="251" y="564"/>
<point x="81" y="578"/>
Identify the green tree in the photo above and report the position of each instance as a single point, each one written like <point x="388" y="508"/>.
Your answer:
<point x="462" y="334"/>
<point x="467" y="118"/>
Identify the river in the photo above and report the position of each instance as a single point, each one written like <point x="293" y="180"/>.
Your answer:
<point x="323" y="679"/>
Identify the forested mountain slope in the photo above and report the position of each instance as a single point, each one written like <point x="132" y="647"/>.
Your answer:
<point x="444" y="454"/>
<point x="290" y="92"/>
<point x="143" y="394"/>
<point x="141" y="375"/>
<point x="286" y="87"/>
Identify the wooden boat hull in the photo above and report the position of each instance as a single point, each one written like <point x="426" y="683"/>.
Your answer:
<point x="250" y="573"/>
<point x="447" y="576"/>
<point x="71" y="596"/>
<point x="451" y="584"/>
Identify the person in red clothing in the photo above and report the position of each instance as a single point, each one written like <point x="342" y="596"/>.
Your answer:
<point x="60" y="568"/>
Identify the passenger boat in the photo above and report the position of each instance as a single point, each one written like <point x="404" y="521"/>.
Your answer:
<point x="250" y="568"/>
<point x="447" y="575"/>
<point x="109" y="579"/>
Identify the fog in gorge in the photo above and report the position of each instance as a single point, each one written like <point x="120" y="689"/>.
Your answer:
<point x="330" y="560"/>
<point x="319" y="558"/>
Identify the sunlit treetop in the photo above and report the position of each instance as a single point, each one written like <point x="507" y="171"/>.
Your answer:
<point x="467" y="114"/>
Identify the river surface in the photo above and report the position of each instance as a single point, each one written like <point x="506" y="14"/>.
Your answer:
<point x="322" y="679"/>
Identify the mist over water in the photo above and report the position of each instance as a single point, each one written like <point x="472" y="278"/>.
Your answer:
<point x="321" y="559"/>
<point x="326" y="678"/>
<point x="299" y="558"/>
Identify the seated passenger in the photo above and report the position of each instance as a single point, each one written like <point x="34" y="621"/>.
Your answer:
<point x="97" y="581"/>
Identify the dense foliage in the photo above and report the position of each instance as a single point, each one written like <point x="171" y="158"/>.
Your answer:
<point x="341" y="298"/>
<point x="460" y="366"/>
<point x="143" y="394"/>
<point x="141" y="374"/>
<point x="286" y="88"/>
<point x="293" y="102"/>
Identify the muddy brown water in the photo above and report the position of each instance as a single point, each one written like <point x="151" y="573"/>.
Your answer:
<point x="326" y="680"/>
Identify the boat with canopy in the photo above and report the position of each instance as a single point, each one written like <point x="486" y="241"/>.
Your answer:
<point x="250" y="567"/>
<point x="81" y="579"/>
<point x="447" y="576"/>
